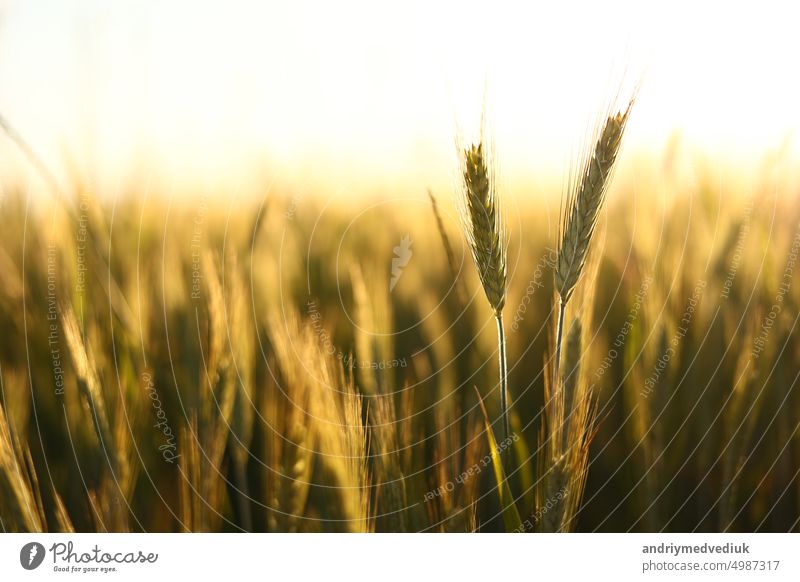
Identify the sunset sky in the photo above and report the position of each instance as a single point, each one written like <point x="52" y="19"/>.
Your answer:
<point x="371" y="94"/>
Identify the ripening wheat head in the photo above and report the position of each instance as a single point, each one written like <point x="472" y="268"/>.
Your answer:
<point x="483" y="224"/>
<point x="584" y="203"/>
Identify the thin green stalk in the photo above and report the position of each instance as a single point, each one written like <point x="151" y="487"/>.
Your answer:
<point x="501" y="342"/>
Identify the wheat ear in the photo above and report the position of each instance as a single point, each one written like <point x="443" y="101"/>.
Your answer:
<point x="582" y="209"/>
<point x="483" y="225"/>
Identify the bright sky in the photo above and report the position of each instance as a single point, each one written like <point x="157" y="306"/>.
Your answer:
<point x="363" y="93"/>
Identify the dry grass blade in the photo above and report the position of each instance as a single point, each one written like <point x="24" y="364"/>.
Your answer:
<point x="448" y="250"/>
<point x="389" y="479"/>
<point x="568" y="430"/>
<point x="373" y="335"/>
<point x="89" y="382"/>
<point x="333" y="415"/>
<point x="291" y="456"/>
<point x="20" y="505"/>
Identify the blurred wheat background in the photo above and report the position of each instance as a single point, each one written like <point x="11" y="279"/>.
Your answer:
<point x="263" y="315"/>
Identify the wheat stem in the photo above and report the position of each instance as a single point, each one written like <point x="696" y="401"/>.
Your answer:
<point x="562" y="310"/>
<point x="501" y="343"/>
<point x="485" y="232"/>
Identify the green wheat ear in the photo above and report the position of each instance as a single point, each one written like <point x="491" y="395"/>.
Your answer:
<point x="584" y="204"/>
<point x="482" y="222"/>
<point x="582" y="209"/>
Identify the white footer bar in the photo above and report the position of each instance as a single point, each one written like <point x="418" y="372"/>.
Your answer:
<point x="332" y="557"/>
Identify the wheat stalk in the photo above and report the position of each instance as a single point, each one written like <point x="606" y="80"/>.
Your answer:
<point x="572" y="365"/>
<point x="483" y="227"/>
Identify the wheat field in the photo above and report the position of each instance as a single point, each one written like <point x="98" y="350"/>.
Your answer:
<point x="289" y="365"/>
